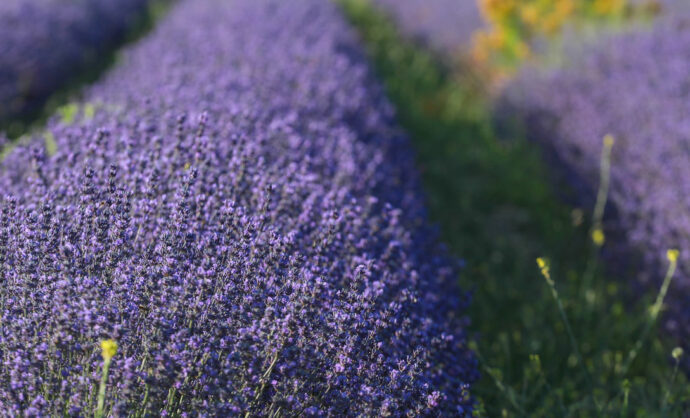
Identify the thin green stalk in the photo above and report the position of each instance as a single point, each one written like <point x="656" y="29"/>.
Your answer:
<point x="265" y="377"/>
<point x="676" y="353"/>
<point x="145" y="402"/>
<point x="597" y="232"/>
<point x="605" y="180"/>
<point x="535" y="359"/>
<point x="543" y="266"/>
<point x="655" y="310"/>
<point x="507" y="392"/>
<point x="626" y="395"/>
<point x="101" y="390"/>
<point x="108" y="351"/>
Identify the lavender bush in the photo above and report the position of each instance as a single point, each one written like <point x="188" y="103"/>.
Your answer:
<point x="240" y="215"/>
<point x="444" y="25"/>
<point x="635" y="87"/>
<point x="42" y="43"/>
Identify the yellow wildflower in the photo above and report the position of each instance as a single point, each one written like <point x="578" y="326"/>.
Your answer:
<point x="609" y="140"/>
<point x="564" y="9"/>
<point x="598" y="237"/>
<point x="529" y="14"/>
<point x="497" y="9"/>
<point x="108" y="349"/>
<point x="497" y="38"/>
<point x="677" y="353"/>
<point x="544" y="267"/>
<point x="609" y="7"/>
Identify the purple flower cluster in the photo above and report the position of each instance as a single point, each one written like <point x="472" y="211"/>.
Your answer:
<point x="42" y="42"/>
<point x="444" y="25"/>
<point x="241" y="215"/>
<point x="635" y="87"/>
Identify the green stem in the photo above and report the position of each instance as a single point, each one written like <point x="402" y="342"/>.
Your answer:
<point x="599" y="206"/>
<point x="667" y="395"/>
<point x="605" y="180"/>
<point x="656" y="308"/>
<point x="101" y="390"/>
<point x="571" y="335"/>
<point x="505" y="391"/>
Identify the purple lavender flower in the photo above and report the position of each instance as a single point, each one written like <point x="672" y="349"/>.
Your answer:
<point x="240" y="214"/>
<point x="444" y="25"/>
<point x="634" y="87"/>
<point x="42" y="42"/>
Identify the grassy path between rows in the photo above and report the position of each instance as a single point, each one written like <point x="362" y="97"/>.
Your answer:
<point x="498" y="211"/>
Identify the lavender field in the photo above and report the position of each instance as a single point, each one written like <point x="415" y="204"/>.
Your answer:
<point x="633" y="87"/>
<point x="45" y="43"/>
<point x="313" y="208"/>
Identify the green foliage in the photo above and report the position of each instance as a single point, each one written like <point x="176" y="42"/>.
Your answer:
<point x="497" y="209"/>
<point x="68" y="113"/>
<point x="51" y="145"/>
<point x="73" y="112"/>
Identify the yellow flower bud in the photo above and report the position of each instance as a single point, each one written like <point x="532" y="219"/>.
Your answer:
<point x="536" y="361"/>
<point x="677" y="353"/>
<point x="672" y="255"/>
<point x="598" y="237"/>
<point x="544" y="267"/>
<point x="108" y="349"/>
<point x="609" y="141"/>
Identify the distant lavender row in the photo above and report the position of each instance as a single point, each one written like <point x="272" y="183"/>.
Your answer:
<point x="447" y="26"/>
<point x="444" y="25"/>
<point x="42" y="43"/>
<point x="635" y="87"/>
<point x="241" y="215"/>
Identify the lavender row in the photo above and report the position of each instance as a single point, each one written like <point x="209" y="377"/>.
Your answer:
<point x="446" y="26"/>
<point x="43" y="42"/>
<point x="240" y="214"/>
<point x="634" y="87"/>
